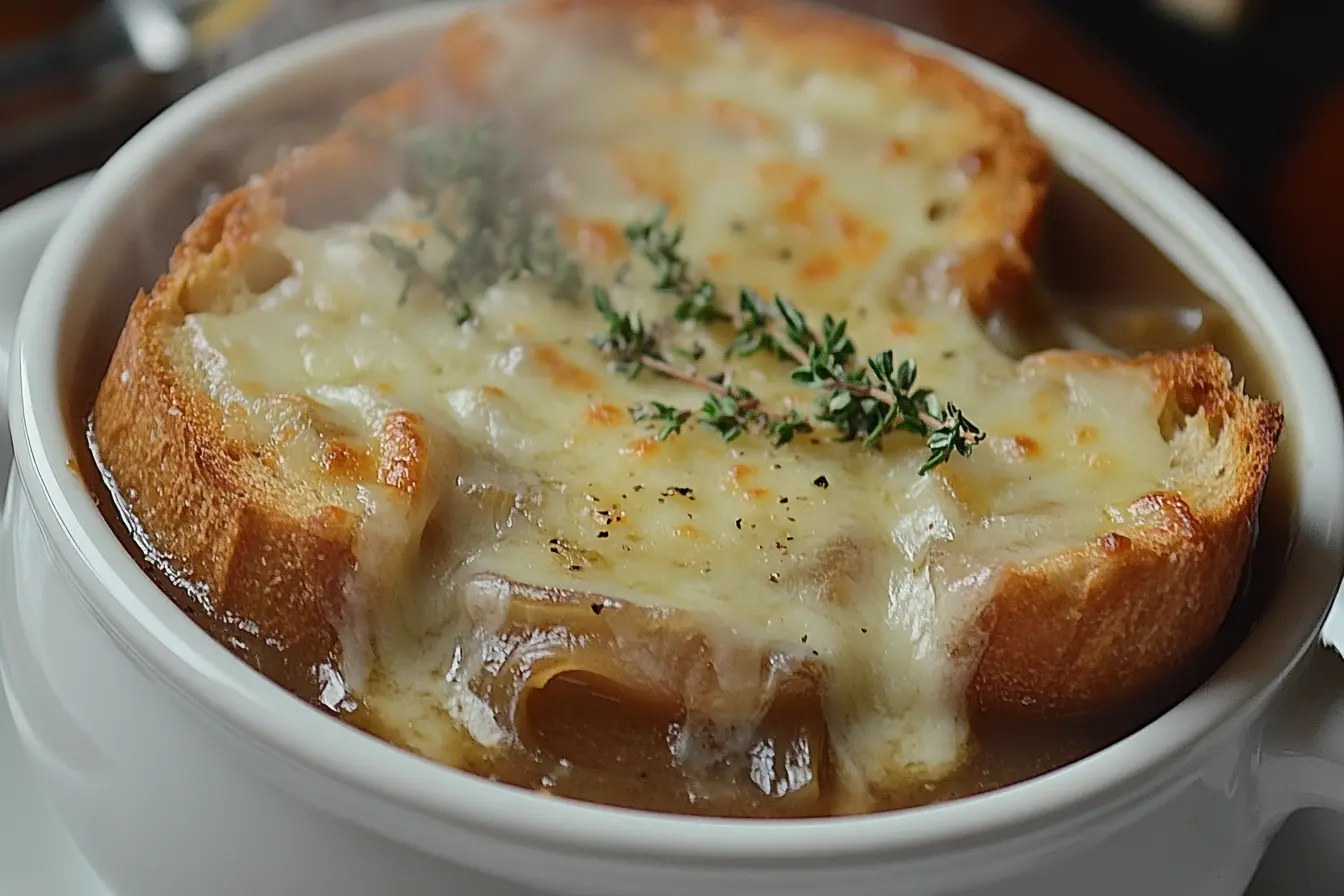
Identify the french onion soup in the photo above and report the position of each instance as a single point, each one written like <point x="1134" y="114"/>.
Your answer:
<point x="691" y="407"/>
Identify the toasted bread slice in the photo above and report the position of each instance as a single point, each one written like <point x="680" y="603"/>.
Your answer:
<point x="748" y="74"/>
<point x="300" y="430"/>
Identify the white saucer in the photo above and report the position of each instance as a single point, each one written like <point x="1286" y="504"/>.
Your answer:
<point x="37" y="857"/>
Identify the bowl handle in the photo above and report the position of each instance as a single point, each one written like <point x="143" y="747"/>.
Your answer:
<point x="27" y="227"/>
<point x="1302" y="751"/>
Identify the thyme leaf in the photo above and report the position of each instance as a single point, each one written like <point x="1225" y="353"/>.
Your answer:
<point x="862" y="402"/>
<point x="478" y="201"/>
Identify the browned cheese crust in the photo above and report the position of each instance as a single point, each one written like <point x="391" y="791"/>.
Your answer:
<point x="1081" y="630"/>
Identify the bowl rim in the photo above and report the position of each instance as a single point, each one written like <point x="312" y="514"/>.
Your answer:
<point x="154" y="632"/>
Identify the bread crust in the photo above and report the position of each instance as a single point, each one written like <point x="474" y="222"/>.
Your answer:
<point x="1093" y="626"/>
<point x="1008" y="166"/>
<point x="1081" y="630"/>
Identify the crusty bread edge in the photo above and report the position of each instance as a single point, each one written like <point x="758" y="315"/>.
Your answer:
<point x="210" y="508"/>
<point x="1109" y="620"/>
<point x="1045" y="635"/>
<point x="1000" y="222"/>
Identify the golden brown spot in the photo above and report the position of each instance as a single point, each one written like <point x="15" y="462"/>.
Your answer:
<point x="738" y="118"/>
<point x="403" y="453"/>
<point x="863" y="241"/>
<point x="328" y="522"/>
<point x="468" y="50"/>
<point x="904" y="326"/>
<point x="976" y="162"/>
<point x="824" y="266"/>
<point x="492" y="392"/>
<point x="688" y="532"/>
<point x="646" y="447"/>
<point x="603" y="415"/>
<point x="797" y="209"/>
<point x="563" y="372"/>
<point x="716" y="260"/>
<point x="851" y="226"/>
<point x="652" y="174"/>
<point x="969" y="491"/>
<point x="345" y="461"/>
<point x="803" y="186"/>
<point x="895" y="151"/>
<point x="738" y="477"/>
<point x="739" y="473"/>
<point x="671" y="45"/>
<point x="385" y="388"/>
<point x="598" y="239"/>
<point x="415" y="229"/>
<point x="1166" y="509"/>
<point x="1085" y="435"/>
<point x="1048" y="400"/>
<point x="1114" y="543"/>
<point x="1026" y="446"/>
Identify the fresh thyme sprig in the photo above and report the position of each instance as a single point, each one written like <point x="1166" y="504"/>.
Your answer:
<point x="868" y="402"/>
<point x="403" y="257"/>
<point x="629" y="344"/>
<point x="728" y="409"/>
<point x="865" y="402"/>
<point x="476" y="200"/>
<point x="697" y="299"/>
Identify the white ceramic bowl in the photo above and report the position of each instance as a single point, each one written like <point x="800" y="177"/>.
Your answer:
<point x="180" y="771"/>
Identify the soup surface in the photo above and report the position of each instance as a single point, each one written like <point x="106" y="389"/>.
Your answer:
<point x="612" y="600"/>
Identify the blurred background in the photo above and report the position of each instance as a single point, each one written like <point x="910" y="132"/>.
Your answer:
<point x="1244" y="98"/>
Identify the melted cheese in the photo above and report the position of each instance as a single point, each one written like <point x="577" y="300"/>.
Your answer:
<point x="714" y="577"/>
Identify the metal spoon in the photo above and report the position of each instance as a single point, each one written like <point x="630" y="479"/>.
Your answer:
<point x="160" y="40"/>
